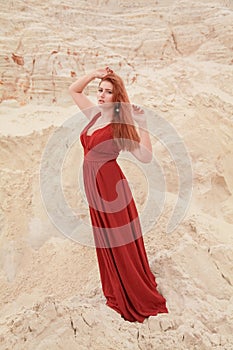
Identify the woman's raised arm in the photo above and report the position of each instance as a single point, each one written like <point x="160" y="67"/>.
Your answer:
<point x="76" y="90"/>
<point x="144" y="151"/>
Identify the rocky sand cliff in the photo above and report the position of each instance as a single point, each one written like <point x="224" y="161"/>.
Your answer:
<point x="176" y="59"/>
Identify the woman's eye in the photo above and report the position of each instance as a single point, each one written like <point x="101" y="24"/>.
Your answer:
<point x="101" y="90"/>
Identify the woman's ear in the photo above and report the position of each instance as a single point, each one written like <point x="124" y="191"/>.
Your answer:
<point x="117" y="108"/>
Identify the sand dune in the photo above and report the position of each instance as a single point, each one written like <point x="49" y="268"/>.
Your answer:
<point x="176" y="60"/>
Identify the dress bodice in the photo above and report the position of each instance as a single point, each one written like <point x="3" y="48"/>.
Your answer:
<point x="100" y="145"/>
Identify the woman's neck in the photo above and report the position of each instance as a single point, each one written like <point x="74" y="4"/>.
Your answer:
<point x="106" y="115"/>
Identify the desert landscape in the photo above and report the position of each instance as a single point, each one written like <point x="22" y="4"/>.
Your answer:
<point x="176" y="58"/>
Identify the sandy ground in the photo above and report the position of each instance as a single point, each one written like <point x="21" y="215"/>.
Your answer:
<point x="176" y="60"/>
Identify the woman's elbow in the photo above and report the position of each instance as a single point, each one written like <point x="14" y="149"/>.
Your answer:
<point x="71" y="89"/>
<point x="143" y="155"/>
<point x="146" y="157"/>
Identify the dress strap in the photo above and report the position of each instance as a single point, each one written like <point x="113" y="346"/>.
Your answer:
<point x="91" y="122"/>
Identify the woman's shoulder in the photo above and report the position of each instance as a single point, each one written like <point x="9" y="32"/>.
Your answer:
<point x="92" y="112"/>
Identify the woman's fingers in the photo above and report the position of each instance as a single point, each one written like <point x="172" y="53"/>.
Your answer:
<point x="103" y="72"/>
<point x="109" y="70"/>
<point x="137" y="109"/>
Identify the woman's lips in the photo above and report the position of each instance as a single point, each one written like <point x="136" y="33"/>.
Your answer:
<point x="101" y="101"/>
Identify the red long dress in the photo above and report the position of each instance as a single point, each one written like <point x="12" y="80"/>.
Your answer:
<point x="127" y="281"/>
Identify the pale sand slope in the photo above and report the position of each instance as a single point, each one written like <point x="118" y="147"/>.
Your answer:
<point x="176" y="58"/>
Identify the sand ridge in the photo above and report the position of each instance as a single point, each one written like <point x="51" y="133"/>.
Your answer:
<point x="176" y="60"/>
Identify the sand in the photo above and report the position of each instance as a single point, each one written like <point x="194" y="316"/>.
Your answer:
<point x="176" y="60"/>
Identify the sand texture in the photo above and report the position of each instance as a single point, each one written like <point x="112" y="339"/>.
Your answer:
<point x="176" y="58"/>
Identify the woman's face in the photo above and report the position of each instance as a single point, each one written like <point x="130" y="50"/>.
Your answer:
<point x="105" y="92"/>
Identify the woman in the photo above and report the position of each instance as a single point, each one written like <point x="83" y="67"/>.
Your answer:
<point x="127" y="281"/>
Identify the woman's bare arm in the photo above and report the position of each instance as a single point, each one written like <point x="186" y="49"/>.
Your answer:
<point x="144" y="151"/>
<point x="76" y="90"/>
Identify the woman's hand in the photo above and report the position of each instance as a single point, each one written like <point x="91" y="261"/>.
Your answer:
<point x="102" y="72"/>
<point x="139" y="115"/>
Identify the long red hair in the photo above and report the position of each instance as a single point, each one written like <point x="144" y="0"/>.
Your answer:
<point x="124" y="131"/>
